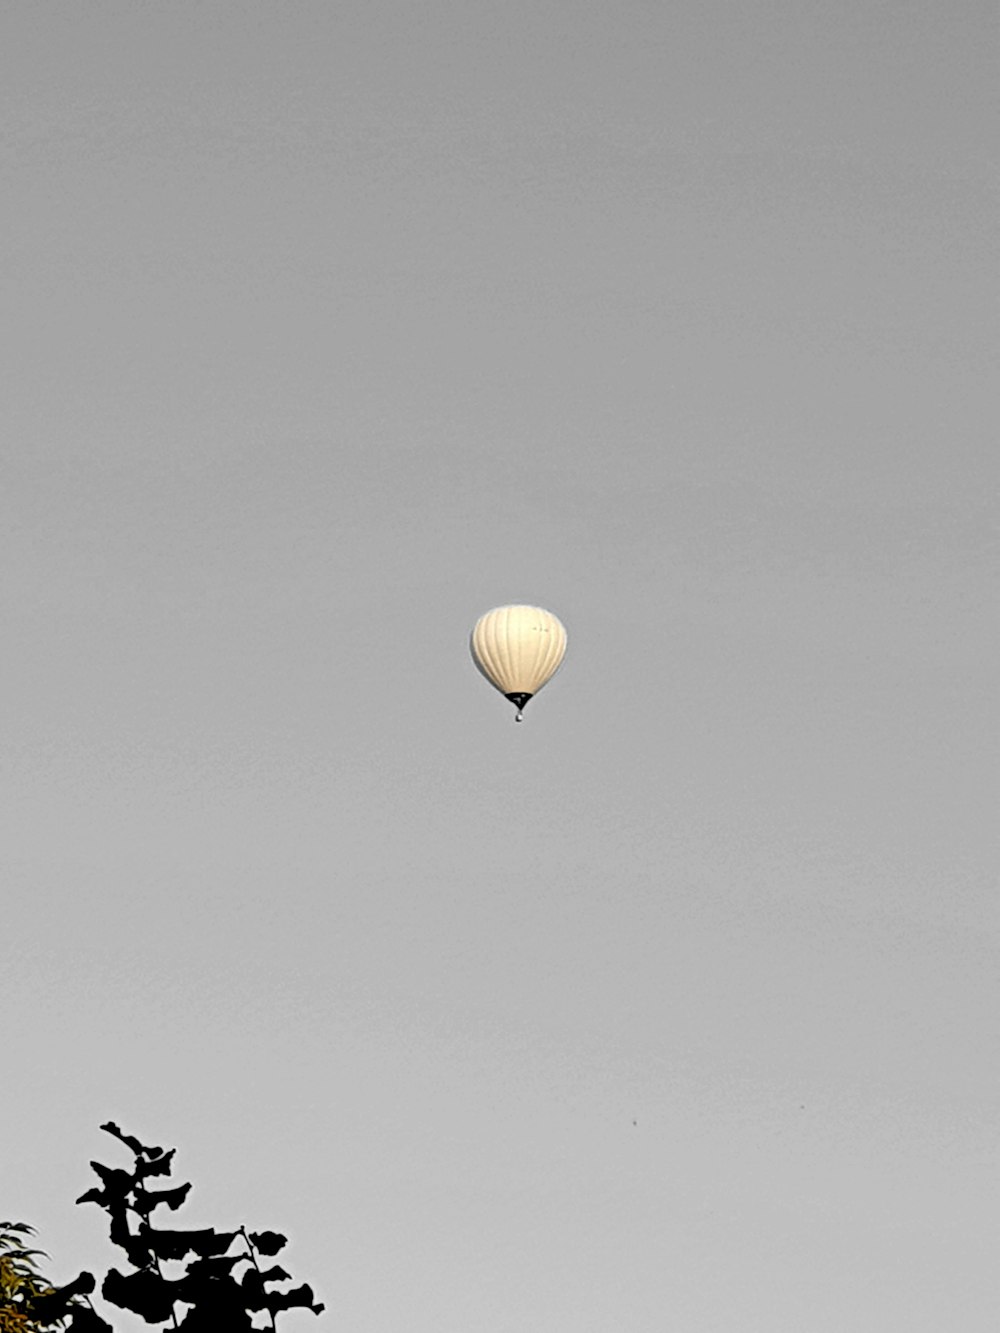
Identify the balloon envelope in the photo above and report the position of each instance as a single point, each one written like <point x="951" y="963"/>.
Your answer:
<point x="518" y="649"/>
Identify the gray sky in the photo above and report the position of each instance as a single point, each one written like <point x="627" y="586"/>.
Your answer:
<point x="330" y="326"/>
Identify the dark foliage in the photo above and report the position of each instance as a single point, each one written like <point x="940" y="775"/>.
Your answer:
<point x="216" y="1291"/>
<point x="51" y="1308"/>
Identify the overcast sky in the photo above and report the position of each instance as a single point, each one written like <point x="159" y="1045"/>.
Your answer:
<point x="328" y="327"/>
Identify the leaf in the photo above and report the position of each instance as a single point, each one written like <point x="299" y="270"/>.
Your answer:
<point x="215" y="1266"/>
<point x="214" y="1318"/>
<point x="267" y="1242"/>
<point x="160" y="1166"/>
<point x="52" y="1306"/>
<point x="144" y="1293"/>
<point x="130" y="1141"/>
<point x="297" y="1297"/>
<point x="215" y="1292"/>
<point x="176" y="1244"/>
<point x="117" y="1183"/>
<point x="118" y="1187"/>
<point x="172" y="1198"/>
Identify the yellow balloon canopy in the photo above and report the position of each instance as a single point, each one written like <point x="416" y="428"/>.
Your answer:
<point x="518" y="649"/>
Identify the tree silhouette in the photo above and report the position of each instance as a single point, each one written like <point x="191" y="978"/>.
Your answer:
<point x="216" y="1289"/>
<point x="195" y="1281"/>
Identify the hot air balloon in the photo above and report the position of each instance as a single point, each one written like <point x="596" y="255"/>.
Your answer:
<point x="518" y="648"/>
